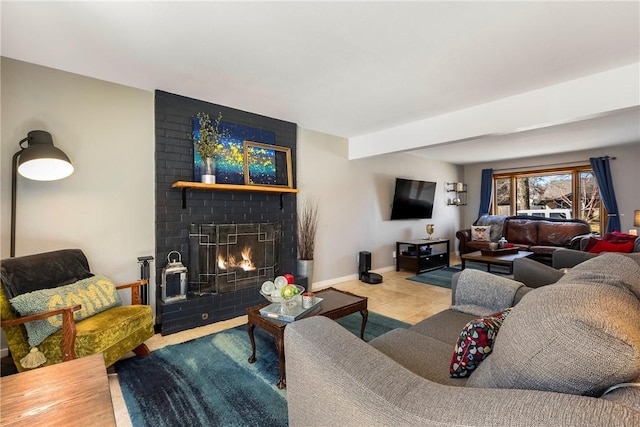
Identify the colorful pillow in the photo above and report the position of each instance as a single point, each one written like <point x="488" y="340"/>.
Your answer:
<point x="481" y="233"/>
<point x="95" y="294"/>
<point x="606" y="246"/>
<point x="475" y="344"/>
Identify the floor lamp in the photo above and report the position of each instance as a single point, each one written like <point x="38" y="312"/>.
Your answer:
<point x="39" y="160"/>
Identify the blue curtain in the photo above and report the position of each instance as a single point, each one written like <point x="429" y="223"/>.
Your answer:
<point x="602" y="171"/>
<point x="486" y="186"/>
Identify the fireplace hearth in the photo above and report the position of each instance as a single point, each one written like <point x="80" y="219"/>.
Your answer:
<point x="230" y="257"/>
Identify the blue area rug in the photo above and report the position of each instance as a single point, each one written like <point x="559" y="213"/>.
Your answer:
<point x="208" y="381"/>
<point x="442" y="276"/>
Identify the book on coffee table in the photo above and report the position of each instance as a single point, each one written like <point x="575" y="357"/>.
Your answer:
<point x="289" y="314"/>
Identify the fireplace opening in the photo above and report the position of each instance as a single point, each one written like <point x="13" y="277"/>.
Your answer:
<point x="230" y="257"/>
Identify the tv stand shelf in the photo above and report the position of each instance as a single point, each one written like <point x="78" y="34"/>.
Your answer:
<point x="421" y="256"/>
<point x="185" y="185"/>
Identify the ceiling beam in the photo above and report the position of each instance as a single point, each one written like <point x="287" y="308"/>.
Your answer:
<point x="563" y="103"/>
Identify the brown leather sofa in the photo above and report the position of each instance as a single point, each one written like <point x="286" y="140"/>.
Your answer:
<point x="542" y="236"/>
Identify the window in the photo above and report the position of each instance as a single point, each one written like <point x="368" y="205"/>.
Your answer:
<point x="558" y="193"/>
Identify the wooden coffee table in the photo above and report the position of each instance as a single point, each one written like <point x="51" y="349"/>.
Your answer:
<point x="503" y="260"/>
<point x="335" y="304"/>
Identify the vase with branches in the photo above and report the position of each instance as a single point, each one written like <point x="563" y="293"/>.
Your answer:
<point x="307" y="228"/>
<point x="206" y="143"/>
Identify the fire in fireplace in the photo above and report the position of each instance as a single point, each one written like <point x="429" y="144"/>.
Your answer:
<point x="230" y="257"/>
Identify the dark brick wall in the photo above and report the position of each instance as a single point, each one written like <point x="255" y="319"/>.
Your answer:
<point x="174" y="162"/>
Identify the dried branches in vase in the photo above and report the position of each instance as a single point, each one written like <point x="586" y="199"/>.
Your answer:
<point x="307" y="227"/>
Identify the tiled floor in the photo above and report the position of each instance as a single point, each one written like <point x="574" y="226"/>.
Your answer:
<point x="396" y="297"/>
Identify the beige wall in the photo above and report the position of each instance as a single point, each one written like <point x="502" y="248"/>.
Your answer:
<point x="106" y="208"/>
<point x="354" y="198"/>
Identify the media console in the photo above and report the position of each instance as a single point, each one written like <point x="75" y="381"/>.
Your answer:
<point x="422" y="255"/>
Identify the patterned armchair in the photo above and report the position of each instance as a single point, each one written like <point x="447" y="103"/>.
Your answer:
<point x="80" y="313"/>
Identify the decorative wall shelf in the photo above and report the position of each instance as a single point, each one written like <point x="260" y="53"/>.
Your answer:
<point x="186" y="185"/>
<point x="459" y="192"/>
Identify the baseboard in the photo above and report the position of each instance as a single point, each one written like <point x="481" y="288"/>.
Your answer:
<point x="328" y="283"/>
<point x="4" y="352"/>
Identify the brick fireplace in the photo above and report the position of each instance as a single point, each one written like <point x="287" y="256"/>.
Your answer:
<point x="234" y="289"/>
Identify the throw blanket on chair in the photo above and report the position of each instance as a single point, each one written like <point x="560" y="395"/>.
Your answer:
<point x="482" y="294"/>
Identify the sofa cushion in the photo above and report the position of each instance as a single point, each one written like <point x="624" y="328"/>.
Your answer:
<point x="95" y="294"/>
<point x="559" y="234"/>
<point x="481" y="293"/>
<point x="622" y="270"/>
<point x="570" y="337"/>
<point x="112" y="332"/>
<point x="475" y="344"/>
<point x="481" y="233"/>
<point x="521" y="231"/>
<point x="444" y="326"/>
<point x="422" y="355"/>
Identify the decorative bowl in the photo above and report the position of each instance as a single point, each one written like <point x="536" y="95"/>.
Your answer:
<point x="278" y="298"/>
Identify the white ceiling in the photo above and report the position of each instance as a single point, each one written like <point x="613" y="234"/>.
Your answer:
<point x="344" y="68"/>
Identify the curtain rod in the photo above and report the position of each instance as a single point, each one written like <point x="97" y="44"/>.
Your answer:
<point x="574" y="163"/>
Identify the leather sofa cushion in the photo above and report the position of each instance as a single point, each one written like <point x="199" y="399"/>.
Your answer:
<point x="521" y="231"/>
<point x="559" y="233"/>
<point x="578" y="336"/>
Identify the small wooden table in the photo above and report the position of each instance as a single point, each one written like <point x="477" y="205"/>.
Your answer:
<point x="504" y="260"/>
<point x="335" y="304"/>
<point x="74" y="393"/>
<point x="420" y="255"/>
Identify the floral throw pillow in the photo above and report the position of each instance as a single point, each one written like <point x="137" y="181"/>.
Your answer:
<point x="481" y="233"/>
<point x="475" y="344"/>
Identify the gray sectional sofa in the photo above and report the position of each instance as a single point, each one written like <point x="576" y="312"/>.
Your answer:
<point x="561" y="347"/>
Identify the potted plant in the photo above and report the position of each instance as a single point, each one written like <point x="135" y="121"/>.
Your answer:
<point x="206" y="143"/>
<point x="307" y="227"/>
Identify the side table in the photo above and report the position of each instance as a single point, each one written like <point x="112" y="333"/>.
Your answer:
<point x="73" y="393"/>
<point x="422" y="255"/>
<point x="335" y="304"/>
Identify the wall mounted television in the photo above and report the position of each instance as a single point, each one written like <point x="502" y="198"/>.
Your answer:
<point x="413" y="199"/>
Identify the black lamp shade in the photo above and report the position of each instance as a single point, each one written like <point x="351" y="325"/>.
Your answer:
<point x="41" y="161"/>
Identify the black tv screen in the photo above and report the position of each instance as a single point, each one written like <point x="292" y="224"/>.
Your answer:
<point x="413" y="199"/>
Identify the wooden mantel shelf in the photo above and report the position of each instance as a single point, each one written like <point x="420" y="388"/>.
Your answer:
<point x="233" y="187"/>
<point x="184" y="185"/>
